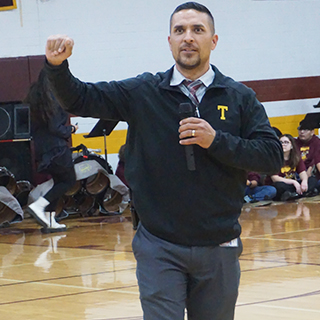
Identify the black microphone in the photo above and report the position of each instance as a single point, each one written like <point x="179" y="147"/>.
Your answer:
<point x="187" y="110"/>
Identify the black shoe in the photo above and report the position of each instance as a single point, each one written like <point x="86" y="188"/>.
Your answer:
<point x="16" y="219"/>
<point x="311" y="193"/>
<point x="287" y="195"/>
<point x="62" y="215"/>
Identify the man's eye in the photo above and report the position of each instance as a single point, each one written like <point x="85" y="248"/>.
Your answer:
<point x="198" y="30"/>
<point x="179" y="31"/>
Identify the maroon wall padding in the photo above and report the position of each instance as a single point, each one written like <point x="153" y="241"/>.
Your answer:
<point x="286" y="89"/>
<point x="16" y="75"/>
<point x="14" y="79"/>
<point x="35" y="66"/>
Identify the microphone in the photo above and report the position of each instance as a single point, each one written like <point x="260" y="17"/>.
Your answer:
<point x="187" y="110"/>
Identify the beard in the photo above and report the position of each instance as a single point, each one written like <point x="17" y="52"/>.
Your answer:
<point x="188" y="64"/>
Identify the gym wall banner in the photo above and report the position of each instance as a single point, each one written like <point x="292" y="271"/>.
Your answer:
<point x="8" y="4"/>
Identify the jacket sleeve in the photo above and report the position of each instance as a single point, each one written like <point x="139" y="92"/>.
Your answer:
<point x="257" y="148"/>
<point x="98" y="100"/>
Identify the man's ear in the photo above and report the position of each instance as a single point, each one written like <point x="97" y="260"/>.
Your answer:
<point x="215" y="39"/>
<point x="169" y="41"/>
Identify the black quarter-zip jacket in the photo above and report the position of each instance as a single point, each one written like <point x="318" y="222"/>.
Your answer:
<point x="191" y="208"/>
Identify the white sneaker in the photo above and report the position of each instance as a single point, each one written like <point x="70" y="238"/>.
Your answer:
<point x="53" y="226"/>
<point x="36" y="209"/>
<point x="53" y="223"/>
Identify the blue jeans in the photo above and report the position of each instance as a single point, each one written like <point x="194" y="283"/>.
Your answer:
<point x="261" y="192"/>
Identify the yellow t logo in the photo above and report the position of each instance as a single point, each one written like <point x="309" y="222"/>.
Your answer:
<point x="223" y="112"/>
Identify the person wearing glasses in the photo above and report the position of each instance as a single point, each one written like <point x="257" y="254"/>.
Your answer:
<point x="292" y="181"/>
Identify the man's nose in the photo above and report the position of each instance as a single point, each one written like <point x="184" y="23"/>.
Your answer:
<point x="188" y="37"/>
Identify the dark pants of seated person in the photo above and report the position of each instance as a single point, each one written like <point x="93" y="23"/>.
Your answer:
<point x="283" y="187"/>
<point x="64" y="178"/>
<point x="62" y="171"/>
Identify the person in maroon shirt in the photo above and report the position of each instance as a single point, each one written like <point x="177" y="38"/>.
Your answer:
<point x="309" y="145"/>
<point x="292" y="181"/>
<point x="255" y="191"/>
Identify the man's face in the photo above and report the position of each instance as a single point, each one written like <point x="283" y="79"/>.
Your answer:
<point x="305" y="135"/>
<point x="191" y="40"/>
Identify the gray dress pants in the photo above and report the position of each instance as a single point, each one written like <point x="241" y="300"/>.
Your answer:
<point x="173" y="278"/>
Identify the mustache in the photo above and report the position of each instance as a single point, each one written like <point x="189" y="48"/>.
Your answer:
<point x="188" y="46"/>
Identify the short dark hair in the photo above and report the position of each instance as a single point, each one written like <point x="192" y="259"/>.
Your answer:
<point x="306" y="125"/>
<point x="277" y="131"/>
<point x="194" y="6"/>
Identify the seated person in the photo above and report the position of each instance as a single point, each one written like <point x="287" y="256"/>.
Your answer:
<point x="255" y="191"/>
<point x="286" y="182"/>
<point x="309" y="145"/>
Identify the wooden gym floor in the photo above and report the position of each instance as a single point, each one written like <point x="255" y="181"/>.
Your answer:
<point x="88" y="272"/>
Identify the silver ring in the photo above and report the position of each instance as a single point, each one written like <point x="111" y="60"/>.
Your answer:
<point x="193" y="133"/>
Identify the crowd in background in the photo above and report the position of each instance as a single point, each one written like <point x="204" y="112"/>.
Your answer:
<point x="299" y="175"/>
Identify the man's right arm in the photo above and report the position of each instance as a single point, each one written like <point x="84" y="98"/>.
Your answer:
<point x="78" y="97"/>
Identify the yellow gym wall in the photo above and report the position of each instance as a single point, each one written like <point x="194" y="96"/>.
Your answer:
<point x="286" y="124"/>
<point x="114" y="141"/>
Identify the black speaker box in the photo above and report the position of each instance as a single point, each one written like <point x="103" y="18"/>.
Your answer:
<point x="14" y="121"/>
<point x="18" y="158"/>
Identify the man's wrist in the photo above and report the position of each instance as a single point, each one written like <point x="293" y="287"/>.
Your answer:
<point x="52" y="64"/>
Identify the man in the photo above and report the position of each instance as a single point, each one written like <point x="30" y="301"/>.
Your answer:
<point x="309" y="146"/>
<point x="186" y="244"/>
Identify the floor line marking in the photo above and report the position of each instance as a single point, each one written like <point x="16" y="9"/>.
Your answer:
<point x="63" y="295"/>
<point x="286" y="232"/>
<point x="62" y="278"/>
<point x="64" y="259"/>
<point x="284" y="240"/>
<point x="286" y="308"/>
